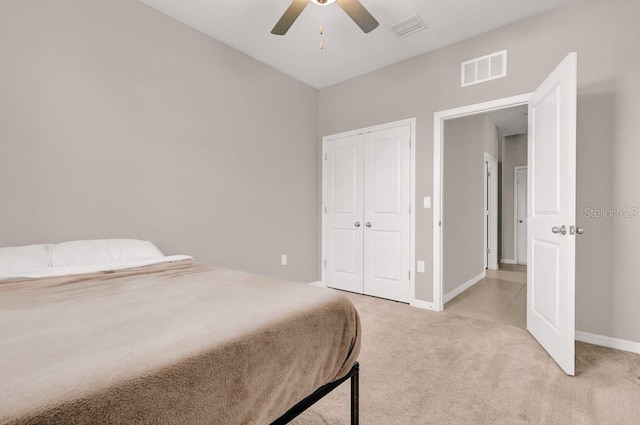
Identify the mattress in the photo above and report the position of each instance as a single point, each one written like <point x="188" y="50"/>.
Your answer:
<point x="170" y="343"/>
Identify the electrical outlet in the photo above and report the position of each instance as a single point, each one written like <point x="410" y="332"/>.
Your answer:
<point x="426" y="202"/>
<point x="283" y="260"/>
<point x="420" y="267"/>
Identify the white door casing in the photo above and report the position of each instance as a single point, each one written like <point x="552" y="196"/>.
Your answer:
<point x="387" y="186"/>
<point x="343" y="202"/>
<point x="552" y="205"/>
<point x="376" y="164"/>
<point x="520" y="215"/>
<point x="439" y="119"/>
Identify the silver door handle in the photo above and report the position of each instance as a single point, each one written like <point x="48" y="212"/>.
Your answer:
<point x="368" y="224"/>
<point x="357" y="224"/>
<point x="562" y="230"/>
<point x="575" y="230"/>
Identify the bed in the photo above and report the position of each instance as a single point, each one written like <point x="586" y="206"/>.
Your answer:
<point x="166" y="340"/>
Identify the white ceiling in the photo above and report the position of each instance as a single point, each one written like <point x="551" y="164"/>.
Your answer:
<point x="510" y="121"/>
<point x="348" y="52"/>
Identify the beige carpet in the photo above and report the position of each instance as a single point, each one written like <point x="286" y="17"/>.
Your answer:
<point x="420" y="367"/>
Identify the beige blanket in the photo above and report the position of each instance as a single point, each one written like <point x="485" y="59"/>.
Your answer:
<point x="176" y="343"/>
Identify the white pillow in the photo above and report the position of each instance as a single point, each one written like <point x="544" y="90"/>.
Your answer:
<point x="102" y="251"/>
<point x="15" y="260"/>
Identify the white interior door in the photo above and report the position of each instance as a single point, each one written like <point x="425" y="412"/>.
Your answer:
<point x="491" y="212"/>
<point x="387" y="228"/>
<point x="552" y="211"/>
<point x="344" y="210"/>
<point x="521" y="215"/>
<point x="487" y="224"/>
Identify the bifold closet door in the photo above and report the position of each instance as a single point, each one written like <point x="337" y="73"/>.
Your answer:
<point x="344" y="210"/>
<point x="387" y="223"/>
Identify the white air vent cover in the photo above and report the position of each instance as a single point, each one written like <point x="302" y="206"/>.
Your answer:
<point x="408" y="26"/>
<point x="484" y="68"/>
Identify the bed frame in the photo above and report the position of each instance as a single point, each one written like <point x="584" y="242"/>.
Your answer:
<point x="323" y="391"/>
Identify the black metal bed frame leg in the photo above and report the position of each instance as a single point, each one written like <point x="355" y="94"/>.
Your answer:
<point x="303" y="405"/>
<point x="355" y="395"/>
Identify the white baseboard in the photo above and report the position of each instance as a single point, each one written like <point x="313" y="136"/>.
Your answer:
<point x="607" y="341"/>
<point x="508" y="261"/>
<point x="425" y="305"/>
<point x="317" y="283"/>
<point x="460" y="289"/>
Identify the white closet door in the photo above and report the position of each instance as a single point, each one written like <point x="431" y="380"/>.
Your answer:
<point x="343" y="200"/>
<point x="387" y="185"/>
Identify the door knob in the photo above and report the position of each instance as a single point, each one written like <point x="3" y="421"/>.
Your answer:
<point x="519" y="221"/>
<point x="357" y="224"/>
<point x="368" y="224"/>
<point x="575" y="230"/>
<point x="562" y="230"/>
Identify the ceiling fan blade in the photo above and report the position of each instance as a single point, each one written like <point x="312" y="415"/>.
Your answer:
<point x="359" y="14"/>
<point x="290" y="16"/>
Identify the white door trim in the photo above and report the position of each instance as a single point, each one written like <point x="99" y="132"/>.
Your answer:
<point x="438" y="126"/>
<point x="493" y="212"/>
<point x="412" y="147"/>
<point x="515" y="210"/>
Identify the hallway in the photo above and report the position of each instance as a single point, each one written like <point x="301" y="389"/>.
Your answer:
<point x="500" y="297"/>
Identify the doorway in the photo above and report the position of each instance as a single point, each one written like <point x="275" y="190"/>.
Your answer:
<point x="551" y="225"/>
<point x="439" y="122"/>
<point x="479" y="212"/>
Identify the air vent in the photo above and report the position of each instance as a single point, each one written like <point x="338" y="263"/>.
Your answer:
<point x="484" y="68"/>
<point x="409" y="26"/>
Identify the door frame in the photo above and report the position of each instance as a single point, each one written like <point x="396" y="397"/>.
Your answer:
<point x="412" y="193"/>
<point x="491" y="186"/>
<point x="439" y="119"/>
<point x="515" y="209"/>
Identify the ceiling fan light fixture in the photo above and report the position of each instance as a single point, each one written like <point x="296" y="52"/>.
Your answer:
<point x="323" y="2"/>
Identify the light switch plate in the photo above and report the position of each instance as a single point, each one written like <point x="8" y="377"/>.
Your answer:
<point x="420" y="267"/>
<point x="283" y="260"/>
<point x="426" y="202"/>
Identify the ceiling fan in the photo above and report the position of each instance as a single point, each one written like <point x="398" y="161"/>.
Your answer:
<point x="353" y="8"/>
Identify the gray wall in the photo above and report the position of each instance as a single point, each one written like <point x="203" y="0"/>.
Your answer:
<point x="118" y="121"/>
<point x="605" y="34"/>
<point x="465" y="141"/>
<point x="514" y="153"/>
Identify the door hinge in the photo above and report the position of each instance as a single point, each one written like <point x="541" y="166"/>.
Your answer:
<point x="325" y="263"/>
<point x="325" y="210"/>
<point x="488" y="250"/>
<point x="440" y="223"/>
<point x="409" y="274"/>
